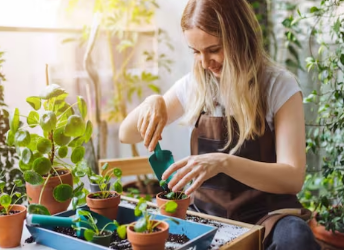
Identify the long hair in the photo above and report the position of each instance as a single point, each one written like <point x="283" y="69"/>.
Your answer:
<point x="240" y="89"/>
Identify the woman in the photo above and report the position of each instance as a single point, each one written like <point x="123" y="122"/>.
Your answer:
<point x="248" y="142"/>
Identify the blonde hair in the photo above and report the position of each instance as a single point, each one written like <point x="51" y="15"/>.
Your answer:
<point x="240" y="89"/>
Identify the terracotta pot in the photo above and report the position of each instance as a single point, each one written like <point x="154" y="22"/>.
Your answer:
<point x="148" y="241"/>
<point x="180" y="211"/>
<point x="48" y="199"/>
<point x="11" y="227"/>
<point x="152" y="189"/>
<point x="107" y="207"/>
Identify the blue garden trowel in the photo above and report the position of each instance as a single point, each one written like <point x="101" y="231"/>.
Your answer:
<point x="160" y="160"/>
<point x="50" y="221"/>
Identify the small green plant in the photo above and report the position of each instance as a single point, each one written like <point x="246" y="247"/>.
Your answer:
<point x="6" y="200"/>
<point x="90" y="225"/>
<point x="147" y="223"/>
<point x="135" y="193"/>
<point x="104" y="180"/>
<point x="173" y="195"/>
<point x="59" y="135"/>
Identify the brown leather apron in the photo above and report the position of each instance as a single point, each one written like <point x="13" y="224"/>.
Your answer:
<point x="226" y="197"/>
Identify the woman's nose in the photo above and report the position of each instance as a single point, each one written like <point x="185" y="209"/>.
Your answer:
<point x="205" y="62"/>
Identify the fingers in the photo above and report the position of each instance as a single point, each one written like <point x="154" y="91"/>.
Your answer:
<point x="156" y="136"/>
<point x="188" y="176"/>
<point x="196" y="184"/>
<point x="174" y="167"/>
<point x="152" y="125"/>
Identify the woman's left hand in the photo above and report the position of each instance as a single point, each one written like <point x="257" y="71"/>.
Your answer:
<point x="197" y="168"/>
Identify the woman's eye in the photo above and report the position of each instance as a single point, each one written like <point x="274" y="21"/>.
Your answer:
<point x="195" y="52"/>
<point x="214" y="51"/>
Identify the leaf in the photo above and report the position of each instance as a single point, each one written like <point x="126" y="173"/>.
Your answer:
<point x="122" y="231"/>
<point x="82" y="106"/>
<point x="63" y="192"/>
<point x="313" y="9"/>
<point x="105" y="166"/>
<point x="38" y="209"/>
<point x="42" y="165"/>
<point x="89" y="234"/>
<point x="75" y="126"/>
<point x="337" y="25"/>
<point x="52" y="90"/>
<point x="170" y="195"/>
<point x="34" y="101"/>
<point x="171" y="206"/>
<point x="117" y="172"/>
<point x="33" y="119"/>
<point x="5" y="200"/>
<point x="24" y="167"/>
<point x="27" y="156"/>
<point x="88" y="131"/>
<point x="22" y="138"/>
<point x="140" y="225"/>
<point x="14" y="120"/>
<point x="18" y="182"/>
<point x="60" y="138"/>
<point x="2" y="185"/>
<point x="155" y="88"/>
<point x="78" y="154"/>
<point x="78" y="141"/>
<point x="10" y="138"/>
<point x="48" y="121"/>
<point x="163" y="183"/>
<point x="44" y="145"/>
<point x="342" y="59"/>
<point x="33" y="178"/>
<point x="62" y="151"/>
<point x="118" y="187"/>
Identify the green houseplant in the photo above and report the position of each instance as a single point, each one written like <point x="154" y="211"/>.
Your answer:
<point x="12" y="215"/>
<point x="49" y="153"/>
<point x="325" y="138"/>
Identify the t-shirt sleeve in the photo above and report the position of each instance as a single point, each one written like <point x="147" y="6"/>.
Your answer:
<point x="182" y="88"/>
<point x="284" y="87"/>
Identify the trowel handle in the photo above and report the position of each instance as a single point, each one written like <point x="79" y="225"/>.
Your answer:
<point x="48" y="220"/>
<point x="158" y="152"/>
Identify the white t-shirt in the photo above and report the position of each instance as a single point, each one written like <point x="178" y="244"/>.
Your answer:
<point x="281" y="85"/>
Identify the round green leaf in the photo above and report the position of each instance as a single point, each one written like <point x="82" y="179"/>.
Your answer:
<point x="78" y="141"/>
<point x="37" y="155"/>
<point x="14" y="120"/>
<point x="2" y="185"/>
<point x="34" y="101"/>
<point x="42" y="165"/>
<point x="34" y="138"/>
<point x="117" y="172"/>
<point x="63" y="192"/>
<point x="88" y="234"/>
<point x="118" y="187"/>
<point x="62" y="151"/>
<point x="38" y="209"/>
<point x="27" y="156"/>
<point x="44" y="146"/>
<point x="122" y="231"/>
<point x="22" y="138"/>
<point x="48" y="121"/>
<point x="23" y="166"/>
<point x="88" y="132"/>
<point x="52" y="90"/>
<point x="5" y="200"/>
<point x="60" y="138"/>
<point x="33" y="119"/>
<point x="82" y="106"/>
<point x="171" y="207"/>
<point x="75" y="126"/>
<point x="140" y="225"/>
<point x="18" y="182"/>
<point x="10" y="138"/>
<point x="33" y="178"/>
<point x="77" y="154"/>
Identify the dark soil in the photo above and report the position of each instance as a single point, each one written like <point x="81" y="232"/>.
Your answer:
<point x="30" y="240"/>
<point x="56" y="173"/>
<point x="177" y="196"/>
<point x="95" y="196"/>
<point x="203" y="221"/>
<point x="3" y="213"/>
<point x="66" y="230"/>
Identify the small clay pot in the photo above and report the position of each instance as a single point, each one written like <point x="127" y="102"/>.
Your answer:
<point x="319" y="231"/>
<point x="103" y="240"/>
<point x="149" y="241"/>
<point x="11" y="227"/>
<point x="107" y="207"/>
<point x="48" y="199"/>
<point x="181" y="209"/>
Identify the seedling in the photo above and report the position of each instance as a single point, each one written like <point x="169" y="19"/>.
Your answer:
<point x="103" y="181"/>
<point x="135" y="193"/>
<point x="6" y="199"/>
<point x="147" y="223"/>
<point x="173" y="195"/>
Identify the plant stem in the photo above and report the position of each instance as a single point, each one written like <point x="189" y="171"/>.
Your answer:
<point x="41" y="194"/>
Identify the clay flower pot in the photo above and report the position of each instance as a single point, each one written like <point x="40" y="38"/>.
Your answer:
<point x="181" y="209"/>
<point x="48" y="199"/>
<point x="107" y="207"/>
<point x="11" y="227"/>
<point x="149" y="241"/>
<point x="319" y="231"/>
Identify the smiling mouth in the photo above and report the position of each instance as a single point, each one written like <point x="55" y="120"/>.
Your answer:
<point x="216" y="70"/>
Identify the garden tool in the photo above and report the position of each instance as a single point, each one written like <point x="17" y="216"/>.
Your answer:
<point x="160" y="160"/>
<point x="54" y="220"/>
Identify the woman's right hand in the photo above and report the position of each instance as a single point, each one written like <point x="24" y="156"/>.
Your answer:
<point x="152" y="120"/>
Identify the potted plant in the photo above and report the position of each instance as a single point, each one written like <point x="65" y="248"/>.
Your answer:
<point x="106" y="201"/>
<point x="90" y="229"/>
<point x="50" y="152"/>
<point x="180" y="198"/>
<point x="147" y="232"/>
<point x="12" y="216"/>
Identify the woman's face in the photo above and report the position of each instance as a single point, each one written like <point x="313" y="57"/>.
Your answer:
<point x="207" y="49"/>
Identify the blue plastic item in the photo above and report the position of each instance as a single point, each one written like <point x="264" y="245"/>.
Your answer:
<point x="200" y="235"/>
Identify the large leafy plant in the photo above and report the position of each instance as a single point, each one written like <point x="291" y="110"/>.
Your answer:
<point x="50" y="140"/>
<point x="326" y="136"/>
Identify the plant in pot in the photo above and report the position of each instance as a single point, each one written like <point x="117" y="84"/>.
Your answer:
<point x="106" y="201"/>
<point x="326" y="135"/>
<point x="147" y="232"/>
<point x="91" y="232"/>
<point x="12" y="215"/>
<point x="50" y="151"/>
<point x="180" y="198"/>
